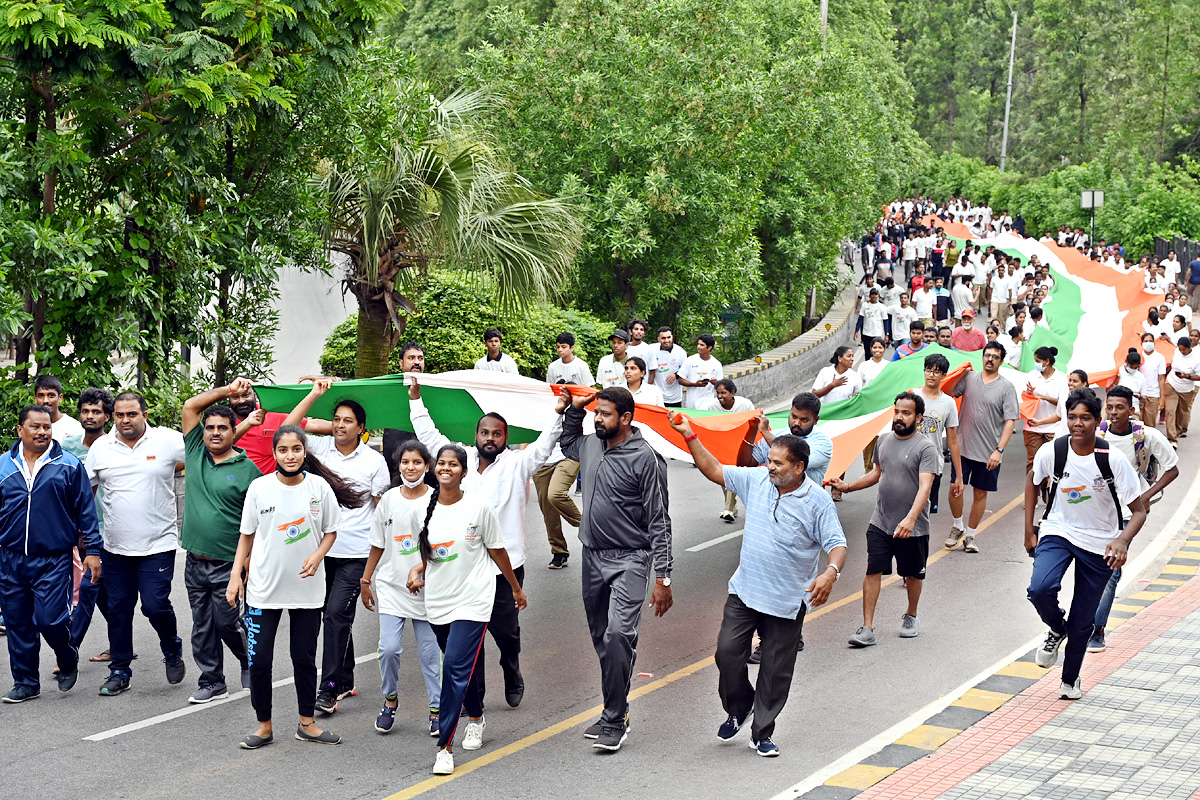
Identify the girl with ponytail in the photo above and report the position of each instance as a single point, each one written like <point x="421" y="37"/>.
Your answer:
<point x="289" y="521"/>
<point x="395" y="551"/>
<point x="459" y="539"/>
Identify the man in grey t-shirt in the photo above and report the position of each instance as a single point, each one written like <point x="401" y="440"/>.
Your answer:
<point x="940" y="425"/>
<point x="986" y="420"/>
<point x="905" y="465"/>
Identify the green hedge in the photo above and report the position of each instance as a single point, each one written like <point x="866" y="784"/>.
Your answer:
<point x="453" y="311"/>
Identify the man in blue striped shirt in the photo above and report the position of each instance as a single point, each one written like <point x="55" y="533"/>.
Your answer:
<point x="789" y="521"/>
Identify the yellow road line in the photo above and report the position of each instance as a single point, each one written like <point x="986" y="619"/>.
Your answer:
<point x="589" y="715"/>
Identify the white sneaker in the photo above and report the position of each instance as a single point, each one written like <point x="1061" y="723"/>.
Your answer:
<point x="444" y="763"/>
<point x="1047" y="655"/>
<point x="473" y="738"/>
<point x="1068" y="692"/>
<point x="910" y="627"/>
<point x="728" y="516"/>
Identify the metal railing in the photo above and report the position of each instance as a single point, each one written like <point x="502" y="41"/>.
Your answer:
<point x="1186" y="250"/>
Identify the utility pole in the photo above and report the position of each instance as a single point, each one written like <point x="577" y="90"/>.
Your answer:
<point x="1012" y="52"/>
<point x="824" y="22"/>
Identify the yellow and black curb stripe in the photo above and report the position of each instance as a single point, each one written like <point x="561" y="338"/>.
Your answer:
<point x="994" y="691"/>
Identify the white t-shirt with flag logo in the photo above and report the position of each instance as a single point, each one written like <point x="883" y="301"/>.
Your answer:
<point x="696" y="368"/>
<point x="288" y="523"/>
<point x="1084" y="512"/>
<point x="459" y="581"/>
<point x="391" y="532"/>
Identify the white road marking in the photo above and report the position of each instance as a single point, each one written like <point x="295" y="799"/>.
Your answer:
<point x="712" y="542"/>
<point x="1132" y="572"/>
<point x="195" y="709"/>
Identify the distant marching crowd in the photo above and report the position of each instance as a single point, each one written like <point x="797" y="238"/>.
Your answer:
<point x="288" y="512"/>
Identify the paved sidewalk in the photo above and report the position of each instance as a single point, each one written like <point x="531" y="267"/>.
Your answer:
<point x="1135" y="734"/>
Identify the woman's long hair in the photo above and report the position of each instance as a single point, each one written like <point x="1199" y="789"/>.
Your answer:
<point x="347" y="496"/>
<point x="461" y="455"/>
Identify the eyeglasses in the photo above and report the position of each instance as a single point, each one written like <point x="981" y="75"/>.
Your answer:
<point x="934" y="372"/>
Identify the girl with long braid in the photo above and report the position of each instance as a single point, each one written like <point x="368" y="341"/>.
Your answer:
<point x="460" y="539"/>
<point x="394" y="551"/>
<point x="289" y="522"/>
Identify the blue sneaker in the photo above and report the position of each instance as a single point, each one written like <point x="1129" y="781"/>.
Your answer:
<point x="435" y="725"/>
<point x="730" y="727"/>
<point x="20" y="694"/>
<point x="764" y="747"/>
<point x="117" y="682"/>
<point x="387" y="716"/>
<point x="3" y="627"/>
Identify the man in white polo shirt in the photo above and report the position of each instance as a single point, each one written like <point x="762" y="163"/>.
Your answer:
<point x="135" y="465"/>
<point x="664" y="369"/>
<point x="347" y="455"/>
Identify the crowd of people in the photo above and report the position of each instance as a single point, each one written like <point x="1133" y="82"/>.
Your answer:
<point x="292" y="512"/>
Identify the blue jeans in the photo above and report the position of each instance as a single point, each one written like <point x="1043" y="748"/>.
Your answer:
<point x="1106" y="600"/>
<point x="1050" y="561"/>
<point x="127" y="577"/>
<point x="37" y="599"/>
<point x="391" y="628"/>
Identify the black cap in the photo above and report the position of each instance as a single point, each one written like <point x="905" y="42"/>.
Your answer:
<point x="619" y="334"/>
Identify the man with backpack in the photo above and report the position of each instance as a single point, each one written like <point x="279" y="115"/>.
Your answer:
<point x="1082" y="523"/>
<point x="1156" y="463"/>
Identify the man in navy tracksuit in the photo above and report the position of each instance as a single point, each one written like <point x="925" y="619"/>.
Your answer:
<point x="46" y="508"/>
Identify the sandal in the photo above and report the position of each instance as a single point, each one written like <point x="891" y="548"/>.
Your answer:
<point x="253" y="741"/>
<point x="105" y="656"/>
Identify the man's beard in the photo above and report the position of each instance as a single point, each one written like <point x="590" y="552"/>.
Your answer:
<point x="489" y="449"/>
<point x="900" y="429"/>
<point x="802" y="432"/>
<point x="603" y="433"/>
<point x="244" y="410"/>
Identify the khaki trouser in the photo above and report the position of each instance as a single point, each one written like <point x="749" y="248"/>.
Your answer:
<point x="1179" y="411"/>
<point x="1033" y="441"/>
<point x="1150" y="406"/>
<point x="553" y="483"/>
<point x="730" y="501"/>
<point x="994" y="309"/>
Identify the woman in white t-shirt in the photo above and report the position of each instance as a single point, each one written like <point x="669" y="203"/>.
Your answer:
<point x="635" y="381"/>
<point x="1076" y="379"/>
<point x="289" y="521"/>
<point x="1154" y="370"/>
<point x="838" y="381"/>
<point x="394" y="552"/>
<point x="1049" y="386"/>
<point x="1130" y="376"/>
<point x="868" y="369"/>
<point x="461" y="546"/>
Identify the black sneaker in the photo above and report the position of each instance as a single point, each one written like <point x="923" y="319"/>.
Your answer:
<point x="176" y="669"/>
<point x="559" y="561"/>
<point x="800" y="647"/>
<point x="594" y="730"/>
<point x="755" y="655"/>
<point x="327" y="699"/>
<point x="117" y="682"/>
<point x="66" y="680"/>
<point x="515" y="692"/>
<point x="611" y="738"/>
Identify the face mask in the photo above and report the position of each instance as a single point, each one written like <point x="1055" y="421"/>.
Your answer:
<point x="1041" y="368"/>
<point x="412" y="484"/>
<point x="1148" y="347"/>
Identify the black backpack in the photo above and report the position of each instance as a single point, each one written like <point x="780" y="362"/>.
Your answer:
<point x="1060" y="464"/>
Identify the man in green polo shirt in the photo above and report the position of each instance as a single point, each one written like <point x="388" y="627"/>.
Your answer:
<point x="216" y="479"/>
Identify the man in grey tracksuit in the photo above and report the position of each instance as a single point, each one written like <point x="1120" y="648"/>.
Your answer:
<point x="625" y="531"/>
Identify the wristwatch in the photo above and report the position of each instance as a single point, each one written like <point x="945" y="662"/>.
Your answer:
<point x="664" y="581"/>
<point x="1000" y="450"/>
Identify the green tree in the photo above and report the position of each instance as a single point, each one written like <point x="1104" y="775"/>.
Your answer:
<point x="436" y="190"/>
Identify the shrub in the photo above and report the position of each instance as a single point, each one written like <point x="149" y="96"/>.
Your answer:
<point x="454" y="309"/>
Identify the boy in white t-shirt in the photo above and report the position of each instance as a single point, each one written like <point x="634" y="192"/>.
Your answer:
<point x="726" y="398"/>
<point x="567" y="368"/>
<point x="700" y="372"/>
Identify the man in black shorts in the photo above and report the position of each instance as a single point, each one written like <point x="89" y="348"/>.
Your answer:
<point x="986" y="420"/>
<point x="905" y="465"/>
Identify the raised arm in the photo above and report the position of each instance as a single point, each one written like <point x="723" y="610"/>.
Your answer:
<point x="572" y="438"/>
<point x="320" y="387"/>
<point x="706" y="462"/>
<point x="422" y="423"/>
<point x="194" y="406"/>
<point x="533" y="457"/>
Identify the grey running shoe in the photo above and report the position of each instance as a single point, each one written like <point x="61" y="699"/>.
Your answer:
<point x="209" y="692"/>
<point x="1047" y="655"/>
<point x="956" y="536"/>
<point x="863" y="637"/>
<point x="910" y="626"/>
<point x="969" y="545"/>
<point x="1069" y="691"/>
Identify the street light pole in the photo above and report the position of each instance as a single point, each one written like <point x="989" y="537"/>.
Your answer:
<point x="1012" y="52"/>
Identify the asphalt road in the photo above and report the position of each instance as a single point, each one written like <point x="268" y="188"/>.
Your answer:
<point x="149" y="743"/>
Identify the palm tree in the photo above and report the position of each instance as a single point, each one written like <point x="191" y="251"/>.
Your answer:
<point x="450" y="198"/>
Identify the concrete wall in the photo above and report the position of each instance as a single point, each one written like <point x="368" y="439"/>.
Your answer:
<point x="777" y="375"/>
